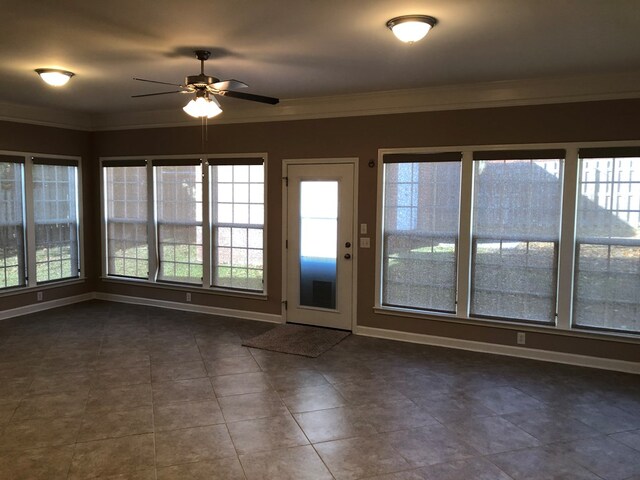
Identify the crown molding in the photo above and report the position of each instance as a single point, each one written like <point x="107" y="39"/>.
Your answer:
<point x="509" y="93"/>
<point x="48" y="117"/>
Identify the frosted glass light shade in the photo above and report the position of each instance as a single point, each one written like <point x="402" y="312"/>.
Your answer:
<point x="54" y="77"/>
<point x="203" y="107"/>
<point x="411" y="28"/>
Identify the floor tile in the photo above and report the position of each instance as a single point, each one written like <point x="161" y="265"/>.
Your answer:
<point x="334" y="424"/>
<point x="503" y="400"/>
<point x="223" y="350"/>
<point x="292" y="379"/>
<point x="38" y="464"/>
<point x="605" y="418"/>
<point x="550" y="426"/>
<point x="360" y="457"/>
<point x="116" y="424"/>
<point x="493" y="435"/>
<point x="630" y="439"/>
<point x="67" y="382"/>
<point x="297" y="463"/>
<point x="470" y="469"/>
<point x="168" y="372"/>
<point x="242" y="383"/>
<point x="217" y="469"/>
<point x="429" y="445"/>
<point x="194" y="390"/>
<point x="603" y="456"/>
<point x="538" y="463"/>
<point x="120" y="377"/>
<point x="453" y="408"/>
<point x="187" y="414"/>
<point x="252" y="405"/>
<point x="395" y="415"/>
<point x="40" y="432"/>
<point x="195" y="444"/>
<point x="231" y="366"/>
<point x="269" y="433"/>
<point x="114" y="456"/>
<point x="51" y="406"/>
<point x="119" y="399"/>
<point x="318" y="397"/>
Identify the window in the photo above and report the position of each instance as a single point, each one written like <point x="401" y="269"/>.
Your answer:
<point x="175" y="222"/>
<point x="179" y="220"/>
<point x="56" y="219"/>
<point x="12" y="241"/>
<point x="607" y="271"/>
<point x="516" y="228"/>
<point x="421" y="210"/>
<point x="39" y="200"/>
<point x="125" y="185"/>
<point x="237" y="223"/>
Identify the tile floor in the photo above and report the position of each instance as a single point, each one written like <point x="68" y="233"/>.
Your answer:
<point x="127" y="392"/>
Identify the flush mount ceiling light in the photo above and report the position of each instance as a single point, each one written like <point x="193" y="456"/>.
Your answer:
<point x="411" y="28"/>
<point x="203" y="105"/>
<point x="54" y="76"/>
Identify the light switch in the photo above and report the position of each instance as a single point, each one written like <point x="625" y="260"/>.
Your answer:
<point x="365" y="242"/>
<point x="363" y="229"/>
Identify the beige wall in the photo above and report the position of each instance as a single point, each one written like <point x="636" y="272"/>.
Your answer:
<point x="361" y="137"/>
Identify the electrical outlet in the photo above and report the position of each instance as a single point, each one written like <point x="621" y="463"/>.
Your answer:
<point x="188" y="296"/>
<point x="39" y="296"/>
<point x="365" y="242"/>
<point x="521" y="338"/>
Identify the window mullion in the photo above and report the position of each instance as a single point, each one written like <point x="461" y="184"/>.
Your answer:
<point x="30" y="222"/>
<point x="464" y="236"/>
<point x="206" y="225"/>
<point x="152" y="231"/>
<point x="567" y="249"/>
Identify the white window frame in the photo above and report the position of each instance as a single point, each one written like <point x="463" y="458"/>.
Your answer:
<point x="207" y="247"/>
<point x="566" y="248"/>
<point x="31" y="283"/>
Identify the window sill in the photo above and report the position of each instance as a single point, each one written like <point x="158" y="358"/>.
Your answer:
<point x="509" y="325"/>
<point x="37" y="288"/>
<point x="184" y="287"/>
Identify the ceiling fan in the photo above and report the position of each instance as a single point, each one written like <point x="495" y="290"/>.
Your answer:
<point x="205" y="88"/>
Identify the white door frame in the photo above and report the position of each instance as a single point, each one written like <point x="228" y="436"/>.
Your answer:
<point x="354" y="281"/>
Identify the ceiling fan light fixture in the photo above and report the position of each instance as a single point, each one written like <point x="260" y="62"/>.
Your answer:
<point x="54" y="77"/>
<point x="203" y="106"/>
<point x="411" y="28"/>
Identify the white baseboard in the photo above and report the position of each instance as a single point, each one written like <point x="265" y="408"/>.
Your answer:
<point x="530" y="353"/>
<point x="188" y="307"/>
<point x="40" y="306"/>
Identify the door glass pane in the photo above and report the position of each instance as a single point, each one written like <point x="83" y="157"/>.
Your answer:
<point x="318" y="243"/>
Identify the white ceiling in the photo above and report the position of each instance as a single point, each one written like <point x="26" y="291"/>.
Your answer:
<point x="301" y="48"/>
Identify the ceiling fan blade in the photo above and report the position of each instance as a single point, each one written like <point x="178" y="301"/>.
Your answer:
<point x="159" y="93"/>
<point x="155" y="81"/>
<point x="229" y="85"/>
<point x="249" y="96"/>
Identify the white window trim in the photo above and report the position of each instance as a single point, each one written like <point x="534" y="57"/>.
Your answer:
<point x="207" y="245"/>
<point x="566" y="249"/>
<point x="29" y="215"/>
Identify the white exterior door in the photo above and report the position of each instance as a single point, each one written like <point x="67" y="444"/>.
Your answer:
<point x="320" y="244"/>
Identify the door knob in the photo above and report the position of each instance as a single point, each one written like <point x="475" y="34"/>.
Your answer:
<point x="347" y="256"/>
<point x="348" y="244"/>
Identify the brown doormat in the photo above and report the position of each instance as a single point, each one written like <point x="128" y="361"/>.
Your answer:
<point x="298" y="340"/>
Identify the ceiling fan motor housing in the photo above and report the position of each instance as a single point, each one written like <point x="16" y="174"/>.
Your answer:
<point x="200" y="80"/>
